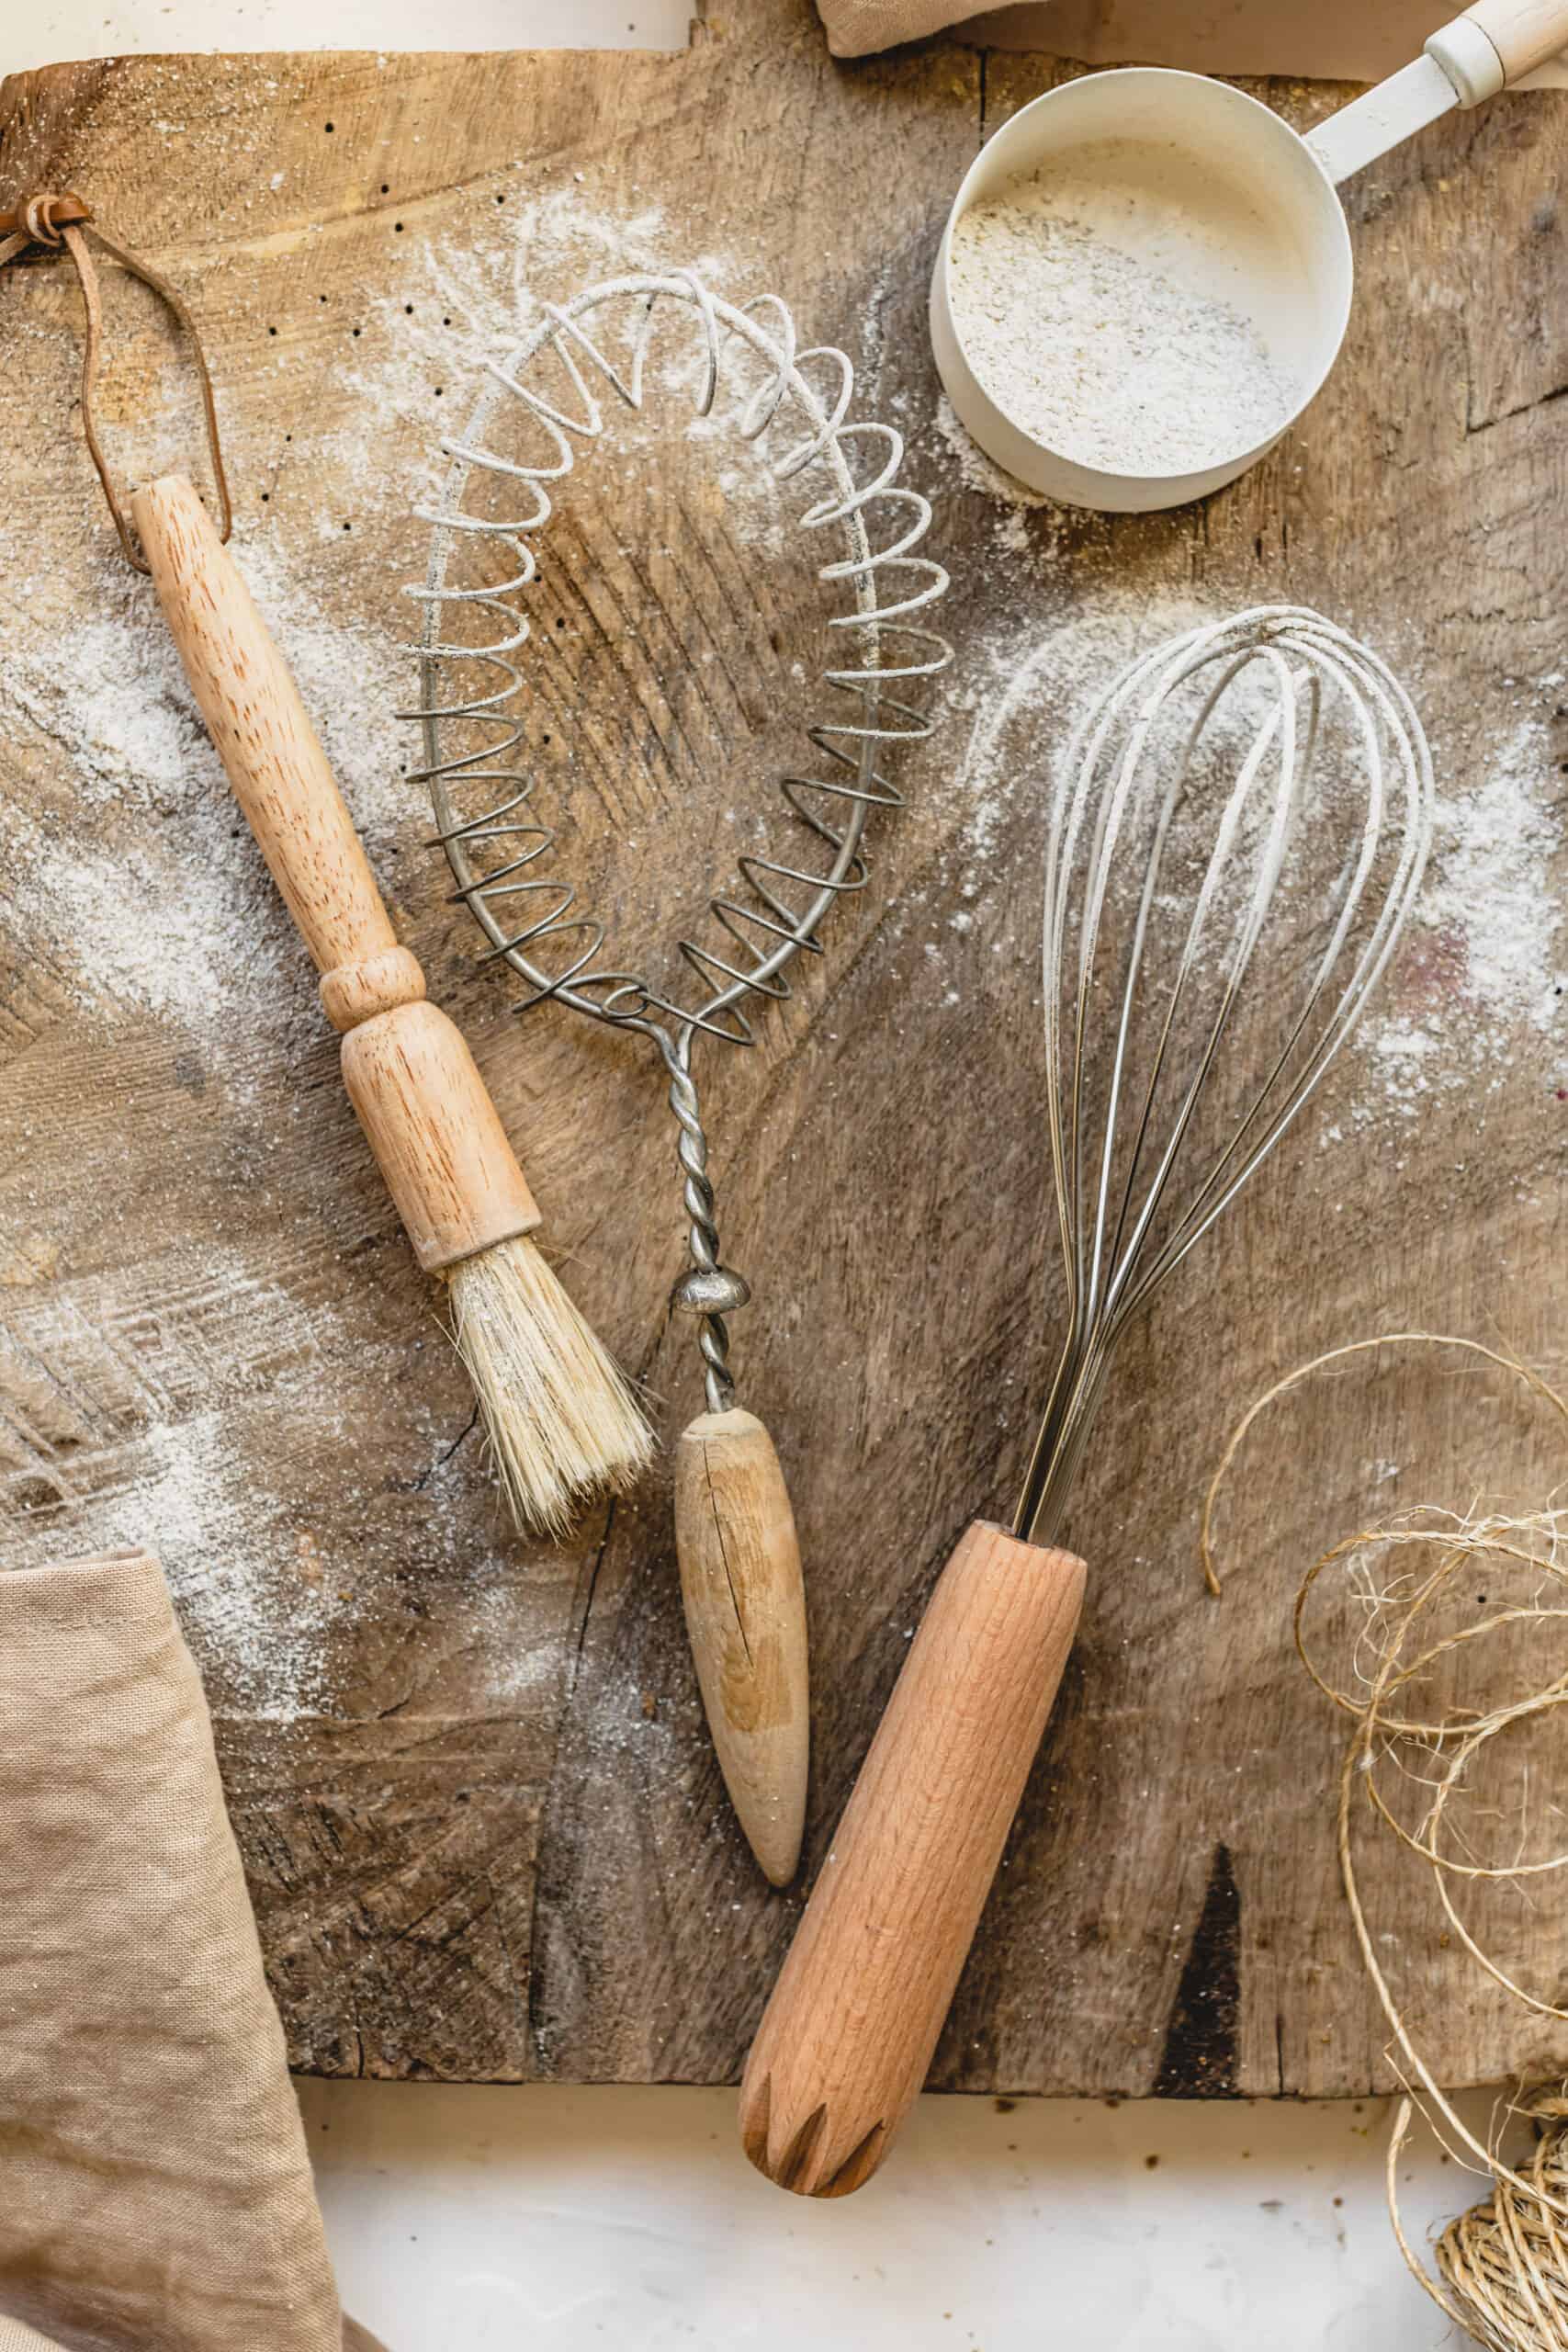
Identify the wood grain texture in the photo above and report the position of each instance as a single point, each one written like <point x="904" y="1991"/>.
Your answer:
<point x="849" y="2030"/>
<point x="486" y="1832"/>
<point x="745" y="1601"/>
<point x="437" y="1137"/>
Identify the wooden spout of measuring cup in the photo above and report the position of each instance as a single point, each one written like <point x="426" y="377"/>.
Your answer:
<point x="745" y="1603"/>
<point x="848" y="2037"/>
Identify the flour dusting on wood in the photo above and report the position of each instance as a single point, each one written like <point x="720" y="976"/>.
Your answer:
<point x="1480" y="984"/>
<point x="133" y="887"/>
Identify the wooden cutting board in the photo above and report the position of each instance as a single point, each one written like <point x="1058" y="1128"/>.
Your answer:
<point x="486" y="1835"/>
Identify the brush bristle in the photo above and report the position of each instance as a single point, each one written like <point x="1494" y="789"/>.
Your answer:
<point x="563" y="1423"/>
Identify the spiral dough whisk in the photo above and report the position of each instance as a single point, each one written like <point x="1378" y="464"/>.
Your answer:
<point x="739" y="1562"/>
<point x="1238" y="832"/>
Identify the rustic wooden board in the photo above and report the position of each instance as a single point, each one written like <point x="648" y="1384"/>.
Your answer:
<point x="485" y="1831"/>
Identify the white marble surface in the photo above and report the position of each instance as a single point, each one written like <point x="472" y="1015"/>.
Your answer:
<point x="463" y="2219"/>
<point x="466" y="2219"/>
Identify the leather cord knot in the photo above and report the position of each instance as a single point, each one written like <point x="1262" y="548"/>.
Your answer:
<point x="57" y="221"/>
<point x="43" y="218"/>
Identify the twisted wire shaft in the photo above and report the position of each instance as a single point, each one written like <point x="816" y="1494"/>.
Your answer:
<point x="710" y="1288"/>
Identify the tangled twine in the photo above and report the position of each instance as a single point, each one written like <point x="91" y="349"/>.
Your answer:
<point x="1503" y="2266"/>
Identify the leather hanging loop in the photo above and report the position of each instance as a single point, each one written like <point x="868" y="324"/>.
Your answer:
<point x="59" y="223"/>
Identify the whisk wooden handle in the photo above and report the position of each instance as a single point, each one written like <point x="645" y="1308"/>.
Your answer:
<point x="274" y="758"/>
<point x="420" y="1097"/>
<point x="847" y="2035"/>
<point x="745" y="1603"/>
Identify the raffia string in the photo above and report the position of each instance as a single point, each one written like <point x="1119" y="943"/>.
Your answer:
<point x="59" y="223"/>
<point x="1501" y="2267"/>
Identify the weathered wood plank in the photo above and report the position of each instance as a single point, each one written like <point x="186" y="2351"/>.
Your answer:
<point x="486" y="1833"/>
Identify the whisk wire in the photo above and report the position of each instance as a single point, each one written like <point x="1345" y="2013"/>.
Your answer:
<point x="1125" y="1221"/>
<point x="482" y="792"/>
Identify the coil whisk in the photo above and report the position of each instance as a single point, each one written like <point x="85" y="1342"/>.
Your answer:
<point x="880" y="586"/>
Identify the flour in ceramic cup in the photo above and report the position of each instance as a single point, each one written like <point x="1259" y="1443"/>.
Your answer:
<point x="1101" y="303"/>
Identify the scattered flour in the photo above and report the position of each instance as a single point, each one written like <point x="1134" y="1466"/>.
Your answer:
<point x="144" y="881"/>
<point x="1037" y="693"/>
<point x="1480" y="981"/>
<point x="147" y="884"/>
<point x="126" y="871"/>
<point x="457" y="306"/>
<point x="976" y="469"/>
<point x="1481" y="976"/>
<point x="1110" y="352"/>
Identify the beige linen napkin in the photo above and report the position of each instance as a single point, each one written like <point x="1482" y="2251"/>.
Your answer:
<point x="155" y="2193"/>
<point x="1330" y="39"/>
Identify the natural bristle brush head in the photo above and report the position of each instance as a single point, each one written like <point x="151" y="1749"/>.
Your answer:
<point x="563" y="1424"/>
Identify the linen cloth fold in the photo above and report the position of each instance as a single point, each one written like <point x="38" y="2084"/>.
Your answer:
<point x="1335" y="41"/>
<point x="155" y="2192"/>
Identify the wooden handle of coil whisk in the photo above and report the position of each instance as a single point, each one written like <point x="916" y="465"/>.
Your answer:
<point x="847" y="2035"/>
<point x="425" y="1109"/>
<point x="745" y="1602"/>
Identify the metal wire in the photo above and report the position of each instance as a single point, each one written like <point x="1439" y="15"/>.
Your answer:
<point x="1129" y="827"/>
<point x="496" y="849"/>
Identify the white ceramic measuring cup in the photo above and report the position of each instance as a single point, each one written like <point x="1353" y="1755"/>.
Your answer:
<point x="1176" y="162"/>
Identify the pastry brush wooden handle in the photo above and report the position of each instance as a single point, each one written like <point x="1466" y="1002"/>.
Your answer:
<point x="846" y="2039"/>
<point x="273" y="755"/>
<point x="745" y="1602"/>
<point x="420" y="1100"/>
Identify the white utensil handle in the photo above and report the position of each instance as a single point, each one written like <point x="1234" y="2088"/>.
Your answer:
<point x="1493" y="43"/>
<point x="1469" y="59"/>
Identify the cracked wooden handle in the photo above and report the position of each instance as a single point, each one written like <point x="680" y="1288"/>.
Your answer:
<point x="745" y="1605"/>
<point x="846" y="2039"/>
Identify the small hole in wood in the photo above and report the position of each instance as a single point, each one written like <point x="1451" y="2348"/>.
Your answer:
<point x="36" y="1494"/>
